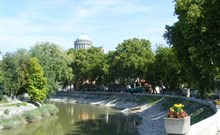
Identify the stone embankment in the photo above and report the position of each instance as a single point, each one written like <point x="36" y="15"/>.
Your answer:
<point x="149" y="108"/>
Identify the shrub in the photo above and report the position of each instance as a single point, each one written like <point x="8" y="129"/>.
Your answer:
<point x="30" y="116"/>
<point x="6" y="111"/>
<point x="44" y="111"/>
<point x="4" y="99"/>
<point x="12" y="122"/>
<point x="51" y="108"/>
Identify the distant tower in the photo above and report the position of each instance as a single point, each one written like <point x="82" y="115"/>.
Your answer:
<point x="82" y="42"/>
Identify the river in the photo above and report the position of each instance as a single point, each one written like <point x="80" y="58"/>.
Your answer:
<point x="81" y="119"/>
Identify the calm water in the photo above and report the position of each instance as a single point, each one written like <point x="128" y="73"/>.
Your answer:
<point x="77" y="119"/>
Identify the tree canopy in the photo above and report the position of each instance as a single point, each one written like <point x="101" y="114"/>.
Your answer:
<point x="88" y="64"/>
<point x="131" y="59"/>
<point x="14" y="68"/>
<point x="36" y="82"/>
<point x="54" y="62"/>
<point x="195" y="37"/>
<point x="166" y="68"/>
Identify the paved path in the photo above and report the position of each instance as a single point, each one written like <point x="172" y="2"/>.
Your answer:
<point x="152" y="122"/>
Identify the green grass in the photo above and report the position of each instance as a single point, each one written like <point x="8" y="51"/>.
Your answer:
<point x="15" y="104"/>
<point x="148" y="99"/>
<point x="197" y="111"/>
<point x="12" y="122"/>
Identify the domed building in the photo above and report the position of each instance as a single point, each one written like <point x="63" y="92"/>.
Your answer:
<point x="82" y="42"/>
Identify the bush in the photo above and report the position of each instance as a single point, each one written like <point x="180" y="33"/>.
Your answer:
<point x="4" y="99"/>
<point x="12" y="122"/>
<point x="6" y="111"/>
<point x="51" y="108"/>
<point x="28" y="116"/>
<point x="33" y="115"/>
<point x="44" y="111"/>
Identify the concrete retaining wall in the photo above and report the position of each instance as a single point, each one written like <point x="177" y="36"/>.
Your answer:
<point x="208" y="126"/>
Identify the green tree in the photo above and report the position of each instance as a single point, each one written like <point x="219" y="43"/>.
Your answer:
<point x="88" y="65"/>
<point x="131" y="59"/>
<point x="14" y="68"/>
<point x="67" y="78"/>
<point x="36" y="82"/>
<point x="195" y="37"/>
<point x="97" y="64"/>
<point x="1" y="82"/>
<point x="54" y="61"/>
<point x="166" y="68"/>
<point x="80" y="66"/>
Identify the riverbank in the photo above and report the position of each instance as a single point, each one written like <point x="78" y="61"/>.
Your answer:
<point x="151" y="108"/>
<point x="15" y="113"/>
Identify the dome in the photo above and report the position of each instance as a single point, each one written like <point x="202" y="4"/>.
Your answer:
<point x="82" y="42"/>
<point x="83" y="37"/>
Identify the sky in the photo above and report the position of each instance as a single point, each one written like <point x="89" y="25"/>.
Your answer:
<point x="106" y="22"/>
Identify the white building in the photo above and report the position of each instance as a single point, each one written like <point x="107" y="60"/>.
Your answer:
<point x="82" y="42"/>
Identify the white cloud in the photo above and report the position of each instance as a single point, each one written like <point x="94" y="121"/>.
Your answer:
<point x="107" y="7"/>
<point x="58" y="21"/>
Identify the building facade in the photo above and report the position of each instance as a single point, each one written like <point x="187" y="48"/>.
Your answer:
<point x="82" y="42"/>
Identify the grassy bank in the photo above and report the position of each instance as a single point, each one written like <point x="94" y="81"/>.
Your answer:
<point x="29" y="116"/>
<point x="197" y="111"/>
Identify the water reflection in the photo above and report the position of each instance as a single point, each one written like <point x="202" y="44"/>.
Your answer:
<point x="90" y="120"/>
<point x="38" y="128"/>
<point x="76" y="119"/>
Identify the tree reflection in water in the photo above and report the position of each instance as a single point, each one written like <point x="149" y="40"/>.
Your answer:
<point x="90" y="120"/>
<point x="76" y="119"/>
<point x="49" y="126"/>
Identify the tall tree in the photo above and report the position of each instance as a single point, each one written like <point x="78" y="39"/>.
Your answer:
<point x="54" y="62"/>
<point x="166" y="68"/>
<point x="131" y="59"/>
<point x="97" y="64"/>
<point x="196" y="40"/>
<point x="88" y="65"/>
<point x="14" y="68"/>
<point x="36" y="82"/>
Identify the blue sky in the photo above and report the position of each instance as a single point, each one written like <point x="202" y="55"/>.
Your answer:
<point x="106" y="22"/>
